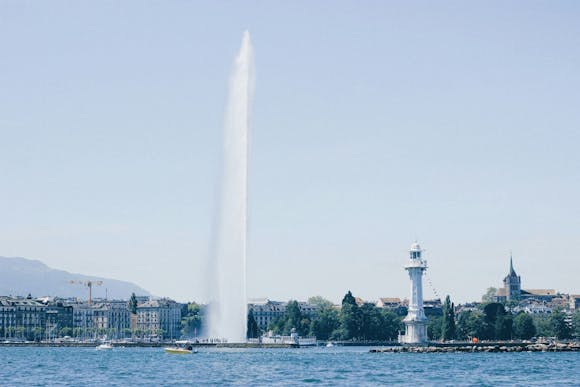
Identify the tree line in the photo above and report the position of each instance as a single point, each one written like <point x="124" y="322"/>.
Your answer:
<point x="489" y="321"/>
<point x="350" y="322"/>
<point x="492" y="321"/>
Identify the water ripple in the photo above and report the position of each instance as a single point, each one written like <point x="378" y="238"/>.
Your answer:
<point x="281" y="367"/>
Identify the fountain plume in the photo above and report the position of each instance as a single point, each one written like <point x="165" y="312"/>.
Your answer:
<point x="228" y="309"/>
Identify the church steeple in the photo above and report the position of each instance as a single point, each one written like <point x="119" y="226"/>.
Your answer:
<point x="512" y="271"/>
<point x="512" y="283"/>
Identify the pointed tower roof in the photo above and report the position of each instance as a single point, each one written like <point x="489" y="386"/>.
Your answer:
<point x="512" y="271"/>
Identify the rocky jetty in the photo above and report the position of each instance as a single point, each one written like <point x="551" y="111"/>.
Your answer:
<point x="535" y="347"/>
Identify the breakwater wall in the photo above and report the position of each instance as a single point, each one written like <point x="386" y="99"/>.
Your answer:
<point x="504" y="347"/>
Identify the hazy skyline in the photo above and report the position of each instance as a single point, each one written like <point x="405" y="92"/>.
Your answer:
<point x="375" y="123"/>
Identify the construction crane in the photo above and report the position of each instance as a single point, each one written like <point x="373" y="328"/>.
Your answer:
<point x="89" y="284"/>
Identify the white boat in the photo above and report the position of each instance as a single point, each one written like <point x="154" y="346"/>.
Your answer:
<point x="329" y="344"/>
<point x="104" y="347"/>
<point x="293" y="339"/>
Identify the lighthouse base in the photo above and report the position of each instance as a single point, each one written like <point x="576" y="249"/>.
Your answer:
<point x="415" y="332"/>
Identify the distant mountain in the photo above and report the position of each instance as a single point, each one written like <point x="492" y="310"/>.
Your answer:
<point x="21" y="276"/>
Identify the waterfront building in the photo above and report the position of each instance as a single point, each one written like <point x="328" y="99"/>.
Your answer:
<point x="266" y="311"/>
<point x="90" y="320"/>
<point x="101" y="318"/>
<point x="33" y="319"/>
<point x="415" y="321"/>
<point x="58" y="319"/>
<point x="22" y="318"/>
<point x="159" y="318"/>
<point x="308" y="310"/>
<point x="119" y="319"/>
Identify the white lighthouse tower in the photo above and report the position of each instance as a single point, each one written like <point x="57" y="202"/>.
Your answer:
<point x="415" y="322"/>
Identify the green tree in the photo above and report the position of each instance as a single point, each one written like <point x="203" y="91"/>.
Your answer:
<point x="66" y="331"/>
<point x="350" y="318"/>
<point x="252" y="330"/>
<point x="504" y="326"/>
<point x="524" y="327"/>
<point x="133" y="304"/>
<point x="325" y="323"/>
<point x="470" y="324"/>
<point x="434" y="326"/>
<point x="294" y="318"/>
<point x="372" y="322"/>
<point x="320" y="302"/>
<point x="191" y="319"/>
<point x="448" y="320"/>
<point x="543" y="326"/>
<point x="560" y="328"/>
<point x="498" y="325"/>
<point x="392" y="324"/>
<point x="576" y="324"/>
<point x="489" y="295"/>
<point x="278" y="325"/>
<point x="37" y="333"/>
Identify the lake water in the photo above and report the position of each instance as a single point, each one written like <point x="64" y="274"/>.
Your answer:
<point x="325" y="366"/>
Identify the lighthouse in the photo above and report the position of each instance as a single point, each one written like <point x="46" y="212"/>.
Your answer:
<point x="415" y="322"/>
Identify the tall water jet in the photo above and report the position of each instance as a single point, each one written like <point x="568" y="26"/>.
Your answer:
<point x="228" y="309"/>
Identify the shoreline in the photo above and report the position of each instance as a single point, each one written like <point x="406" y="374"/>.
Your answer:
<point x="147" y="345"/>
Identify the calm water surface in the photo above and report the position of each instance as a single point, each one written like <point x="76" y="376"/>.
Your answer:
<point x="325" y="366"/>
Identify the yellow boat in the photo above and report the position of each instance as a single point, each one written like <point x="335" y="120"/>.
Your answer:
<point x="178" y="351"/>
<point x="181" y="348"/>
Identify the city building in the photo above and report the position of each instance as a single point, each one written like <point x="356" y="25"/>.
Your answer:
<point x="388" y="302"/>
<point x="159" y="318"/>
<point x="433" y="308"/>
<point x="101" y="318"/>
<point x="415" y="321"/>
<point x="33" y="319"/>
<point x="394" y="304"/>
<point x="58" y="319"/>
<point x="266" y="311"/>
<point x="547" y="295"/>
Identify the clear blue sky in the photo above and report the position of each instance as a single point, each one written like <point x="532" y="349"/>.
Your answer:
<point x="375" y="123"/>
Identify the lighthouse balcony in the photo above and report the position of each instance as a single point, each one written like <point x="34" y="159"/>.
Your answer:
<point x="416" y="263"/>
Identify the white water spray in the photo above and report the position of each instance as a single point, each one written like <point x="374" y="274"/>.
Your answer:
<point x="228" y="310"/>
